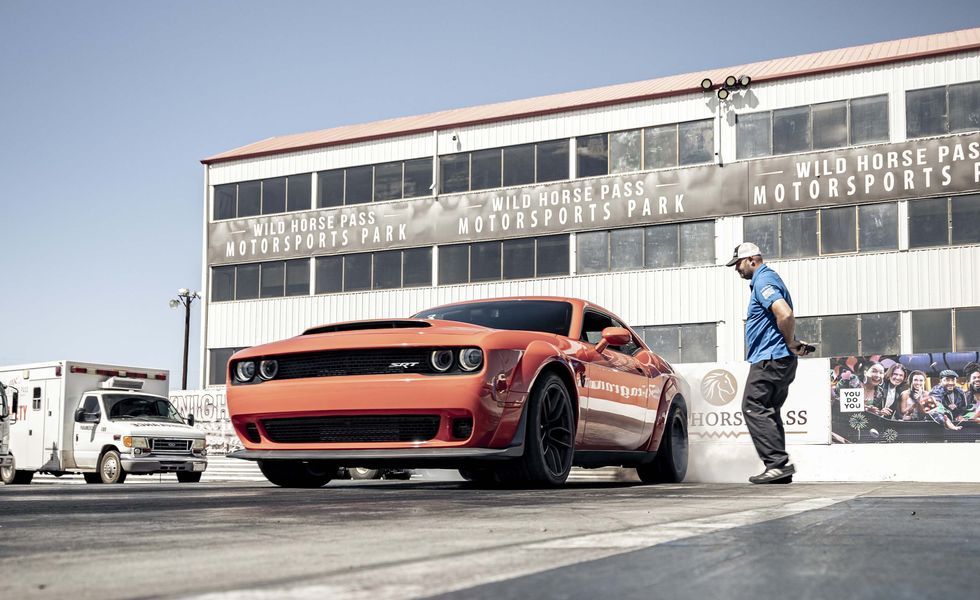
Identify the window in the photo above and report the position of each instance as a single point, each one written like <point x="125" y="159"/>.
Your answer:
<point x="249" y="198"/>
<point x="266" y="280"/>
<point x="389" y="269"/>
<point x="298" y="192"/>
<point x="696" y="141"/>
<point x="36" y="398"/>
<point x="682" y="343"/>
<point x="454" y="173"/>
<point x="552" y="161"/>
<point x="932" y="331"/>
<point x="510" y="259"/>
<point x="654" y="247"/>
<point x="625" y="151"/>
<point x="519" y="165"/>
<point x="358" y="185"/>
<point x="660" y="147"/>
<point x="222" y="284"/>
<point x="274" y="196"/>
<point x="218" y="364"/>
<point x="944" y="221"/>
<point x="298" y="277"/>
<point x="487" y="168"/>
<point x="418" y="178"/>
<point x="388" y="181"/>
<point x="592" y="152"/>
<point x="944" y="330"/>
<point x="846" y="229"/>
<point x="851" y="335"/>
<point x="330" y="188"/>
<point x="812" y="127"/>
<point x="225" y="201"/>
<point x="942" y="110"/>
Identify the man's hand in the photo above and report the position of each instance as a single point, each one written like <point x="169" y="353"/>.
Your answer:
<point x="800" y="348"/>
<point x="886" y="412"/>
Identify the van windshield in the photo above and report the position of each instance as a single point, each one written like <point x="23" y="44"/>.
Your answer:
<point x="123" y="406"/>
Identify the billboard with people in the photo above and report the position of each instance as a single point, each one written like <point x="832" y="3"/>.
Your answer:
<point x="906" y="398"/>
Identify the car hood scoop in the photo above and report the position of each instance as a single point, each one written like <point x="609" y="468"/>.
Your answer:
<point x="365" y="325"/>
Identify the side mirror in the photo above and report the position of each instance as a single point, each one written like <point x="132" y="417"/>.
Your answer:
<point x="79" y="415"/>
<point x="613" y="336"/>
<point x="190" y="419"/>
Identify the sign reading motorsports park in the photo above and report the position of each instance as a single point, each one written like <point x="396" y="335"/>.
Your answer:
<point x="914" y="169"/>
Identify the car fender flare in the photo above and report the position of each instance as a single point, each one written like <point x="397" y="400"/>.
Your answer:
<point x="543" y="356"/>
<point x="673" y="394"/>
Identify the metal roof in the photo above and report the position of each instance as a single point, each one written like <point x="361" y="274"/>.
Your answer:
<point x="769" y="70"/>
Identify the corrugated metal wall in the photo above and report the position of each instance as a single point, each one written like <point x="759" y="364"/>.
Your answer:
<point x="891" y="281"/>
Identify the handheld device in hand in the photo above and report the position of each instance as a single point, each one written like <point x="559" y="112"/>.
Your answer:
<point x="809" y="348"/>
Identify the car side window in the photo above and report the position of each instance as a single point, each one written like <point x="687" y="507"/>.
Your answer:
<point x="632" y="347"/>
<point x="91" y="406"/>
<point x="592" y="325"/>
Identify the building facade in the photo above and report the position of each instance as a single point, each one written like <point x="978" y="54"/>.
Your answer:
<point x="857" y="172"/>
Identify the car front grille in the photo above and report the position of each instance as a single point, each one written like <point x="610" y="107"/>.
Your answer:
<point x="362" y="428"/>
<point x="170" y="446"/>
<point x="333" y="363"/>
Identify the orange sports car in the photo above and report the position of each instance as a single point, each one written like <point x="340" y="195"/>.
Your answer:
<point x="510" y="390"/>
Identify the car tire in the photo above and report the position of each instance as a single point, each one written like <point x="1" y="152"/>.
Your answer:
<point x="549" y="440"/>
<point x="297" y="473"/>
<point x="11" y="476"/>
<point x="110" y="467"/>
<point x="362" y="473"/>
<point x="189" y="476"/>
<point x="92" y="477"/>
<point x="670" y="463"/>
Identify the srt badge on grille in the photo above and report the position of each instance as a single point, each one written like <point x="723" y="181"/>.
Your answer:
<point x="403" y="365"/>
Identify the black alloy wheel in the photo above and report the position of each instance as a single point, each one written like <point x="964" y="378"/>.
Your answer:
<point x="670" y="464"/>
<point x="549" y="444"/>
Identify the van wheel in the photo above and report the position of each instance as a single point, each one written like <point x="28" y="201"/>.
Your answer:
<point x="298" y="473"/>
<point x="362" y="473"/>
<point x="110" y="468"/>
<point x="189" y="477"/>
<point x="11" y="476"/>
<point x="92" y="477"/>
<point x="670" y="464"/>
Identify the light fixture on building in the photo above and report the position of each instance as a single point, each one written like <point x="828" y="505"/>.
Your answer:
<point x="706" y="84"/>
<point x="731" y="81"/>
<point x="744" y="80"/>
<point x="723" y="93"/>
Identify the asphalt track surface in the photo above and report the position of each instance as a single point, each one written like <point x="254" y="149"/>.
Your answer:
<point x="418" y="539"/>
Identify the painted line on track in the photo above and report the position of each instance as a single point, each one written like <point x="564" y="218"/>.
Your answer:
<point x="440" y="575"/>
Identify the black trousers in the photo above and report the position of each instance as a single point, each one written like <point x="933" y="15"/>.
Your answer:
<point x="765" y="392"/>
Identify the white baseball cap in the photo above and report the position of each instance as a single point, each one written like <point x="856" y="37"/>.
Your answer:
<point x="744" y="250"/>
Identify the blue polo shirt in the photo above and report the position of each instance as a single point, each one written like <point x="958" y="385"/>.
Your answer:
<point x="763" y="341"/>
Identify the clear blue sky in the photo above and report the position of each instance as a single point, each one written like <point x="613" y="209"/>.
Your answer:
<point x="106" y="109"/>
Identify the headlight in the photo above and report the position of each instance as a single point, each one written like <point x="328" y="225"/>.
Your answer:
<point x="245" y="371"/>
<point x="470" y="359"/>
<point x="442" y="360"/>
<point x="132" y="441"/>
<point x="198" y="445"/>
<point x="268" y="369"/>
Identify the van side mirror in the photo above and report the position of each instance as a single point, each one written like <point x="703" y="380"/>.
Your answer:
<point x="79" y="415"/>
<point x="83" y="417"/>
<point x="190" y="419"/>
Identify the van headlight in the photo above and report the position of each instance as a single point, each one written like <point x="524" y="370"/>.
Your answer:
<point x="198" y="445"/>
<point x="245" y="371"/>
<point x="135" y="441"/>
<point x="470" y="359"/>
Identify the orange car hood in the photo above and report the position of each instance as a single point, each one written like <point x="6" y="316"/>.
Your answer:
<point x="437" y="333"/>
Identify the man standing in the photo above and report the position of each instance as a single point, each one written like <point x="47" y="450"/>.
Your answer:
<point x="771" y="348"/>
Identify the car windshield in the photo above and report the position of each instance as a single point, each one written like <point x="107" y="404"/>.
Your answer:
<point x="546" y="316"/>
<point x="125" y="406"/>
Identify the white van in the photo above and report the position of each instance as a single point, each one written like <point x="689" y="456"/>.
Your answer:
<point x="103" y="421"/>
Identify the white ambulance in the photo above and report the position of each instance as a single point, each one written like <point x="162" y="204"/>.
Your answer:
<point x="103" y="421"/>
